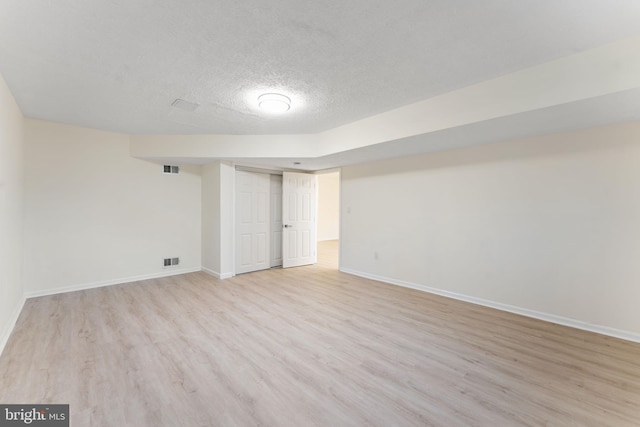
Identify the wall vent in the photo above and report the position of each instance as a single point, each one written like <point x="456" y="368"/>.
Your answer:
<point x="169" y="169"/>
<point x="169" y="262"/>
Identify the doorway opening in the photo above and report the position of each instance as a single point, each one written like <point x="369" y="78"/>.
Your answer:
<point x="329" y="219"/>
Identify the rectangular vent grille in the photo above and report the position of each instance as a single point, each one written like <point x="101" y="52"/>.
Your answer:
<point x="171" y="169"/>
<point x="169" y="262"/>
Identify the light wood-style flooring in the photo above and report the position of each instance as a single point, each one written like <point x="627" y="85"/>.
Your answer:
<point x="309" y="346"/>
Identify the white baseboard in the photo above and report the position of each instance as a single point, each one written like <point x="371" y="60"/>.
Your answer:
<point x="565" y="321"/>
<point x="172" y="272"/>
<point x="216" y="274"/>
<point x="8" y="328"/>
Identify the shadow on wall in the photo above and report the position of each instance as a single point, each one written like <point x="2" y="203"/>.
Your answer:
<point x="447" y="151"/>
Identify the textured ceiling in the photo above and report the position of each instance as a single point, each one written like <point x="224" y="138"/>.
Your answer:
<point x="614" y="108"/>
<point x="119" y="64"/>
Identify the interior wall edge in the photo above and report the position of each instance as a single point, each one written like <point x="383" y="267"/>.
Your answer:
<point x="13" y="319"/>
<point x="100" y="284"/>
<point x="552" y="318"/>
<point x="216" y="274"/>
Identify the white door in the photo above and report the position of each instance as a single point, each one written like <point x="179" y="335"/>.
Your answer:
<point x="299" y="219"/>
<point x="252" y="221"/>
<point x="276" y="220"/>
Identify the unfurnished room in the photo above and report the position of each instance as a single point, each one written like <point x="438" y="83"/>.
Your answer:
<point x="328" y="213"/>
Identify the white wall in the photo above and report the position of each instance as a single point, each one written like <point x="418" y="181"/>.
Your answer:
<point x="11" y="212"/>
<point x="227" y="221"/>
<point x="217" y="219"/>
<point x="329" y="206"/>
<point x="550" y="224"/>
<point x="94" y="215"/>
<point x="211" y="218"/>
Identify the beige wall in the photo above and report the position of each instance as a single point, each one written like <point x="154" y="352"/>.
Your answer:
<point x="329" y="206"/>
<point x="94" y="215"/>
<point x="11" y="212"/>
<point x="547" y="226"/>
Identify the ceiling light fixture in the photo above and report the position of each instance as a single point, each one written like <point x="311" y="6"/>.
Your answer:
<point x="274" y="103"/>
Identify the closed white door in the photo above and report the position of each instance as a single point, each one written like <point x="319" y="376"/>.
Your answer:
<point x="252" y="221"/>
<point x="299" y="194"/>
<point x="276" y="220"/>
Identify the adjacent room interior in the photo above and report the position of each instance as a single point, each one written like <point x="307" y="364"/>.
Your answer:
<point x="321" y="213"/>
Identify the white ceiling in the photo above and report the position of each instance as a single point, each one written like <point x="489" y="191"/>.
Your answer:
<point x="119" y="64"/>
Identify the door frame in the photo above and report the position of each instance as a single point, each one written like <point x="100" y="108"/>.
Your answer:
<point x="341" y="210"/>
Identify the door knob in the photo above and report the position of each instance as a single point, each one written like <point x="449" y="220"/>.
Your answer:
<point x="287" y="226"/>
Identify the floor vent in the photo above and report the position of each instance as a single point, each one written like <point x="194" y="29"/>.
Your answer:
<point x="169" y="262"/>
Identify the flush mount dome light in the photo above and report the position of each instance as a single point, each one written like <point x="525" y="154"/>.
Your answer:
<point x="274" y="103"/>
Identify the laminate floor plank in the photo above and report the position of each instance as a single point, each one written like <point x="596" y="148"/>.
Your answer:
<point x="309" y="346"/>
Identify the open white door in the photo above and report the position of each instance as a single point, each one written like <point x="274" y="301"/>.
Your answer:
<point x="299" y="219"/>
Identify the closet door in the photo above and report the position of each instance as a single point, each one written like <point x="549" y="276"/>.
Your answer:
<point x="299" y="195"/>
<point x="253" y="225"/>
<point x="276" y="220"/>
